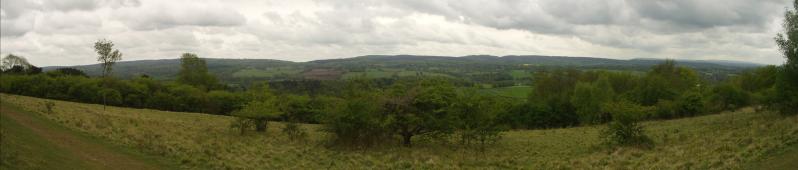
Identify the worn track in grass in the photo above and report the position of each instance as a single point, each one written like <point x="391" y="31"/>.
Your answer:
<point x="85" y="152"/>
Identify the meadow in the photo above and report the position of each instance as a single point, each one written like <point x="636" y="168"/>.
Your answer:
<point x="728" y="140"/>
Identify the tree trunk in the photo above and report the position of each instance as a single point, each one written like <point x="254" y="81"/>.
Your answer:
<point x="406" y="139"/>
<point x="260" y="125"/>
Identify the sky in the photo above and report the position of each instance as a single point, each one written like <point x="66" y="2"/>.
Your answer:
<point x="62" y="32"/>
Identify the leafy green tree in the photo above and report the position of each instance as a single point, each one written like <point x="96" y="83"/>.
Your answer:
<point x="728" y="97"/>
<point x="257" y="113"/>
<point x="652" y="89"/>
<point x="477" y="118"/>
<point x="194" y="72"/>
<point x="223" y="102"/>
<point x="786" y="97"/>
<point x="358" y="121"/>
<point x="691" y="103"/>
<point x="106" y="55"/>
<point x="418" y="106"/>
<point x="588" y="97"/>
<point x="665" y="81"/>
<point x="624" y="130"/>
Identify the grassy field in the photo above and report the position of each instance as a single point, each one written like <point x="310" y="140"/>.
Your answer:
<point x="257" y="73"/>
<point x="520" y="74"/>
<point x="32" y="142"/>
<point x="387" y="73"/>
<point x="729" y="140"/>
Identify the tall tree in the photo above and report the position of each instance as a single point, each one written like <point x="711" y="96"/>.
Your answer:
<point x="194" y="72"/>
<point x="786" y="99"/>
<point x="106" y="55"/>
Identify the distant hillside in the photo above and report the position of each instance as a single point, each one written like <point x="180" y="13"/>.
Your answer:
<point x="235" y="70"/>
<point x="168" y="68"/>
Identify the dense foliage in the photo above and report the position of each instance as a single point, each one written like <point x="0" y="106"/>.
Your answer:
<point x="786" y="99"/>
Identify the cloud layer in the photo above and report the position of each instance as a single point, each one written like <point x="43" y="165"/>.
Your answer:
<point x="61" y="32"/>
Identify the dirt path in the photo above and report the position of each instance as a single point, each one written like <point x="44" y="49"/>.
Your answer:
<point x="92" y="153"/>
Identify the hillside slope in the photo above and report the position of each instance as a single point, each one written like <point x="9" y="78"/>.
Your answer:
<point x="722" y="141"/>
<point x="234" y="69"/>
<point x="30" y="142"/>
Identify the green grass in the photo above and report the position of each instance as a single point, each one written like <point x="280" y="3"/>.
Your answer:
<point x="24" y="148"/>
<point x="729" y="140"/>
<point x="520" y="74"/>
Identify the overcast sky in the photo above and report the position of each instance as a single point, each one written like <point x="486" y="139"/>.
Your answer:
<point x="62" y="32"/>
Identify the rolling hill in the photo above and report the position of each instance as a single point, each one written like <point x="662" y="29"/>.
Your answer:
<point x="230" y="70"/>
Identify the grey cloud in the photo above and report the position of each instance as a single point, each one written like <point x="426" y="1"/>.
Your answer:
<point x="69" y="5"/>
<point x="16" y="26"/>
<point x="317" y="29"/>
<point x="162" y="15"/>
<point x="14" y="9"/>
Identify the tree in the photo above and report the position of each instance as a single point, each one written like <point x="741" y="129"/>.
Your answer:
<point x="194" y="72"/>
<point x="357" y="121"/>
<point x="588" y="97"/>
<point x="257" y="113"/>
<point x="419" y="106"/>
<point x="786" y="97"/>
<point x="106" y="55"/>
<point x="68" y="72"/>
<point x="477" y="117"/>
<point x="624" y="130"/>
<point x="728" y="97"/>
<point x="14" y="64"/>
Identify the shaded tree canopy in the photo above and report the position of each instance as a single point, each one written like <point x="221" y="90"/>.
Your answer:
<point x="194" y="72"/>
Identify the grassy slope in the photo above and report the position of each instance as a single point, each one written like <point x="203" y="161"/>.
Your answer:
<point x="728" y="140"/>
<point x="23" y="149"/>
<point x="32" y="142"/>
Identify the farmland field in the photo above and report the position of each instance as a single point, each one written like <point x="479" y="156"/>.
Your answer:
<point x="251" y="73"/>
<point x="729" y="140"/>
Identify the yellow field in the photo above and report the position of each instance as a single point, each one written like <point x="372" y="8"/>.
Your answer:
<point x="721" y="141"/>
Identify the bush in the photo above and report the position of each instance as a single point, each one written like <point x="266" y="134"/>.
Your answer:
<point x="357" y="122"/>
<point x="242" y="125"/>
<point x="48" y="106"/>
<point x="294" y="131"/>
<point x="476" y="118"/>
<point x="728" y="97"/>
<point x="624" y="130"/>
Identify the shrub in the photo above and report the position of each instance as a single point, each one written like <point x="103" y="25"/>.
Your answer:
<point x="624" y="130"/>
<point x="242" y="125"/>
<point x="48" y="106"/>
<point x="691" y="103"/>
<point x="728" y="97"/>
<point x="476" y="118"/>
<point x="294" y="131"/>
<point x="357" y="122"/>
